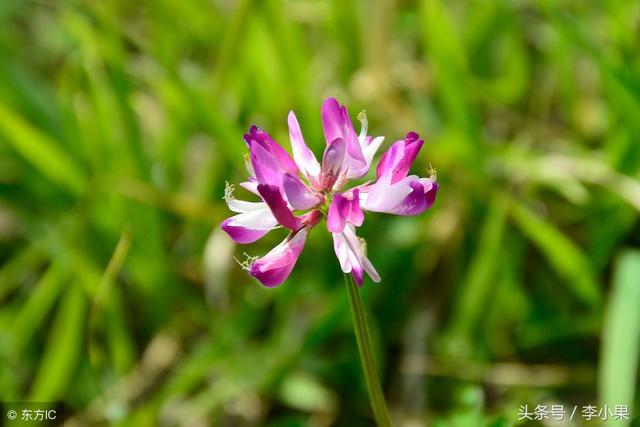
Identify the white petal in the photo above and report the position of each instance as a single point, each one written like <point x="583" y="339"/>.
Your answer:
<point x="370" y="269"/>
<point x="370" y="150"/>
<point x="255" y="220"/>
<point x="240" y="206"/>
<point x="351" y="253"/>
<point x="360" y="252"/>
<point x="251" y="186"/>
<point x="341" y="249"/>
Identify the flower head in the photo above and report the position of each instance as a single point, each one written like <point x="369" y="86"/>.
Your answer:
<point x="287" y="185"/>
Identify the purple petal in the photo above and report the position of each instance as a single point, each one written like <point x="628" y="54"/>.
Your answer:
<point x="431" y="190"/>
<point x="383" y="197"/>
<point x="253" y="221"/>
<point x="298" y="194"/>
<point x="336" y="219"/>
<point x="332" y="122"/>
<point x="272" y="197"/>
<point x="302" y="155"/>
<point x="357" y="273"/>
<point x="241" y="234"/>
<point x="264" y="165"/>
<point x="411" y="196"/>
<point x="355" y="215"/>
<point x="337" y="124"/>
<point x="414" y="203"/>
<point x="274" y="268"/>
<point x="280" y="156"/>
<point x="353" y="143"/>
<point x="344" y="208"/>
<point x="333" y="157"/>
<point x="349" y="134"/>
<point x="332" y="161"/>
<point x="397" y="160"/>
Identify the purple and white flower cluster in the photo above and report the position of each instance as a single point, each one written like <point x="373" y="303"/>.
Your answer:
<point x="287" y="186"/>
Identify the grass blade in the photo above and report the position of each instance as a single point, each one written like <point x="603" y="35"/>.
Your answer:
<point x="40" y="150"/>
<point x="63" y="349"/>
<point x="621" y="336"/>
<point x="563" y="255"/>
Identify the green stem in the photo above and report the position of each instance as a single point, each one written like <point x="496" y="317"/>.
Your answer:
<point x="380" y="411"/>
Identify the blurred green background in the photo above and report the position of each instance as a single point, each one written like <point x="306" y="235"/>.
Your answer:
<point x="120" y="122"/>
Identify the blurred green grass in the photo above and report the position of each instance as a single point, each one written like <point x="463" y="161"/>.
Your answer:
<point x="120" y="122"/>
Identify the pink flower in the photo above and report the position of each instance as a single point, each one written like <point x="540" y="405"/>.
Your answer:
<point x="286" y="185"/>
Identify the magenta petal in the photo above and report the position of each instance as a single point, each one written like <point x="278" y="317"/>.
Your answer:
<point x="431" y="191"/>
<point x="383" y="197"/>
<point x="298" y="194"/>
<point x="354" y="150"/>
<point x="411" y="196"/>
<point x="415" y="202"/>
<point x="302" y="155"/>
<point x="336" y="218"/>
<point x="337" y="124"/>
<point x="344" y="208"/>
<point x="333" y="157"/>
<point x="397" y="160"/>
<point x="332" y="124"/>
<point x="241" y="234"/>
<point x="355" y="215"/>
<point x="264" y="165"/>
<point x="280" y="156"/>
<point x="274" y="268"/>
<point x="272" y="197"/>
<point x="385" y="164"/>
<point x="332" y="162"/>
<point x="357" y="274"/>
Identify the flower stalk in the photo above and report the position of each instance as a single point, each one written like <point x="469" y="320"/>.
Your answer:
<point x="361" y="329"/>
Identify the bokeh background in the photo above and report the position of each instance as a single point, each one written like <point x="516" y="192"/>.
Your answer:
<point x="120" y="122"/>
